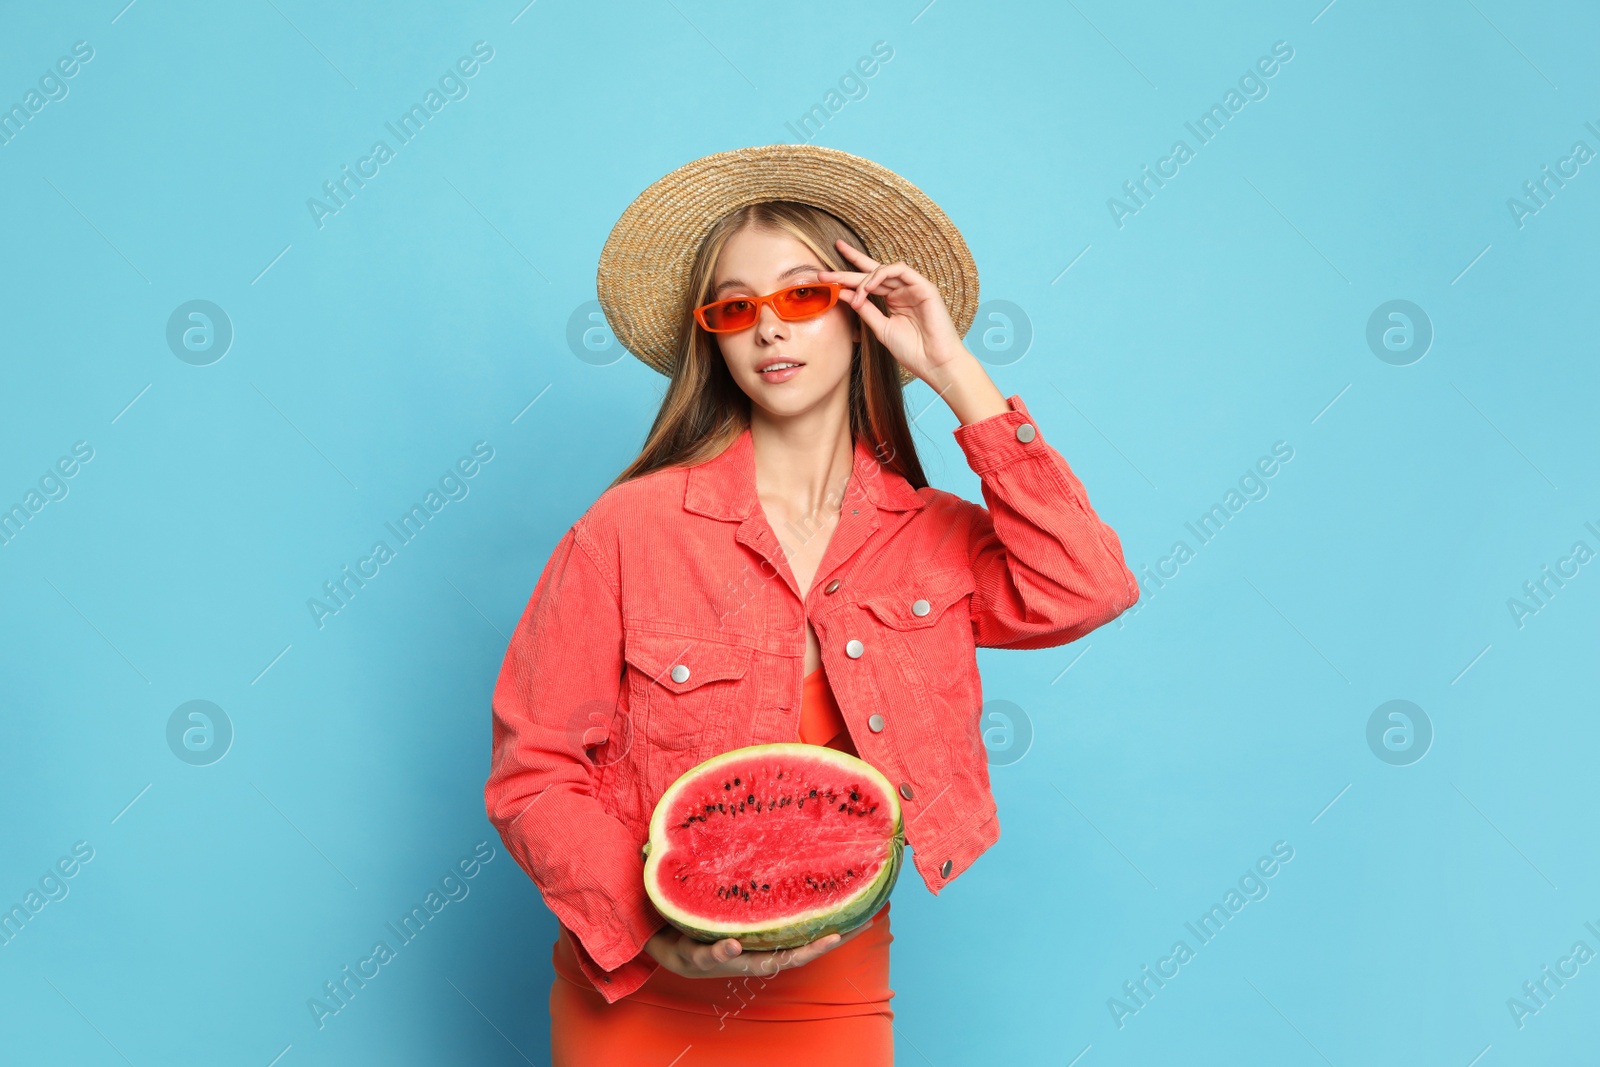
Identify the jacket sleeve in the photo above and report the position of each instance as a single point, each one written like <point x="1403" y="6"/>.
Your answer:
<point x="565" y="662"/>
<point x="1046" y="569"/>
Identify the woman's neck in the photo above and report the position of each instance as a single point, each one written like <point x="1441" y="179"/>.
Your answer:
<point x="802" y="462"/>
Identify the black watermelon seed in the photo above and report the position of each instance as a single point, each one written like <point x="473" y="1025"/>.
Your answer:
<point x="751" y="799"/>
<point x="736" y="781"/>
<point x="813" y="792"/>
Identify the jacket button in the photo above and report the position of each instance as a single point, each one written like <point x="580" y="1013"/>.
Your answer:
<point x="1025" y="432"/>
<point x="875" y="724"/>
<point x="854" y="648"/>
<point x="944" y="869"/>
<point x="920" y="607"/>
<point x="680" y="674"/>
<point x="831" y="586"/>
<point x="905" y="790"/>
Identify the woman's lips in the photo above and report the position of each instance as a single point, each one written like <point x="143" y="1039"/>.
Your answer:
<point x="781" y="375"/>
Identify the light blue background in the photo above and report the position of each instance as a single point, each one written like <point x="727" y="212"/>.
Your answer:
<point x="1228" y="314"/>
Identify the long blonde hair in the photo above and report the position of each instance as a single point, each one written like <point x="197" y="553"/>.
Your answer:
<point x="704" y="409"/>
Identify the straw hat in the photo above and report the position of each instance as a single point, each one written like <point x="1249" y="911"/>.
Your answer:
<point x="645" y="264"/>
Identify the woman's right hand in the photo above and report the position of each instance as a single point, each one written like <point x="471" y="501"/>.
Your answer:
<point x="683" y="955"/>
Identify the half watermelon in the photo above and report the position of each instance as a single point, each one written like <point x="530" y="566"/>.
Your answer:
<point x="775" y="845"/>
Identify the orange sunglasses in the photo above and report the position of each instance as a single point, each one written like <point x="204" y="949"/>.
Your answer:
<point x="791" y="305"/>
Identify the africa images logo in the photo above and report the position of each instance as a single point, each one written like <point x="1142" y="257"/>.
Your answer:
<point x="1204" y="129"/>
<point x="452" y="85"/>
<point x="340" y="590"/>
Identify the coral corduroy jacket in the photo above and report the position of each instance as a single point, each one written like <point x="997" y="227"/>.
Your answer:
<point x="667" y="628"/>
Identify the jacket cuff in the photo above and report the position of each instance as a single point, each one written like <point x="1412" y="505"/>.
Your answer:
<point x="615" y="984"/>
<point x="616" y="940"/>
<point x="609" y="940"/>
<point x="1002" y="439"/>
<point x="959" y="849"/>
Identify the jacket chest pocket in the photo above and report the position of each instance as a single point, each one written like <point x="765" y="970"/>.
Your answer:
<point x="681" y="687"/>
<point x="929" y="625"/>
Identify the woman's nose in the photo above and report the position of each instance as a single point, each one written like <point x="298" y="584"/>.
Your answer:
<point x="768" y="324"/>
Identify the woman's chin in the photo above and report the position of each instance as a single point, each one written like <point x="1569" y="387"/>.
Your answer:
<point x="787" y="399"/>
<point x="783" y="403"/>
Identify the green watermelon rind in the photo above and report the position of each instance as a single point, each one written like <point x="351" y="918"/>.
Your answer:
<point x="802" y="927"/>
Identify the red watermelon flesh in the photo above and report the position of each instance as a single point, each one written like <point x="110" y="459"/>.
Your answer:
<point x="776" y="845"/>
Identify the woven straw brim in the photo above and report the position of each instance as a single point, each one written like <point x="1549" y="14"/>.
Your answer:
<point x="645" y="264"/>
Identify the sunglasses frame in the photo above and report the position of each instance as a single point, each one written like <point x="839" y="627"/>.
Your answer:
<point x="770" y="299"/>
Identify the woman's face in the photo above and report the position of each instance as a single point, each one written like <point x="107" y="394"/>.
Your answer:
<point x="755" y="262"/>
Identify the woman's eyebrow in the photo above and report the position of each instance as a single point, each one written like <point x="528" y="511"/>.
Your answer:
<point x="735" y="283"/>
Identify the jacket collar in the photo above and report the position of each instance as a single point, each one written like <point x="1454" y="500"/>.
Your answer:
<point x="724" y="487"/>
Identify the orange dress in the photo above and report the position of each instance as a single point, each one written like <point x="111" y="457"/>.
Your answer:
<point x="834" y="1009"/>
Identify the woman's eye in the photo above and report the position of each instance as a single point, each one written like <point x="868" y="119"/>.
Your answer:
<point x="801" y="290"/>
<point x="737" y="305"/>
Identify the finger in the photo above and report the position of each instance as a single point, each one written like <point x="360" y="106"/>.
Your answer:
<point x="767" y="964"/>
<point x="709" y="957"/>
<point x="854" y="254"/>
<point x="824" y="945"/>
<point x="770" y="963"/>
<point x="857" y="295"/>
<point x="857" y="932"/>
<point x="890" y="276"/>
<point x="867" y="285"/>
<point x="873" y="285"/>
<point x="811" y="950"/>
<point x="876" y="320"/>
<point x="881" y="277"/>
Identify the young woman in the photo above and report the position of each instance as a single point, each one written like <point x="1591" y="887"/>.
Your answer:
<point x="774" y="567"/>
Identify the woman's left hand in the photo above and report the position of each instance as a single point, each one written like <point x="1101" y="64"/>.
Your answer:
<point x="917" y="331"/>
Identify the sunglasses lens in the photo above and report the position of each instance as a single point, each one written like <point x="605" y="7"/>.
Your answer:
<point x="803" y="301"/>
<point x="730" y="314"/>
<point x="795" y="302"/>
